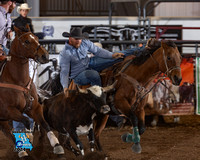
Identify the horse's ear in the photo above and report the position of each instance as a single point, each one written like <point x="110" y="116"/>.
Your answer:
<point x="17" y="31"/>
<point x="27" y="27"/>
<point x="163" y="44"/>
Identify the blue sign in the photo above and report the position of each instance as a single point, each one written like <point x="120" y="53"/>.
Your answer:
<point x="22" y="141"/>
<point x="48" y="30"/>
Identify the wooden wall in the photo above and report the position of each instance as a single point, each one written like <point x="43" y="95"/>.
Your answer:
<point x="86" y="8"/>
<point x="101" y="8"/>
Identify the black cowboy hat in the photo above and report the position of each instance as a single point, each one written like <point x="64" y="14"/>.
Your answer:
<point x="76" y="33"/>
<point x="17" y="1"/>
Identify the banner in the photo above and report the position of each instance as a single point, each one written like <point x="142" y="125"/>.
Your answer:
<point x="197" y="86"/>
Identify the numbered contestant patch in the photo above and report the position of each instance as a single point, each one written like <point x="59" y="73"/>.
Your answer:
<point x="22" y="142"/>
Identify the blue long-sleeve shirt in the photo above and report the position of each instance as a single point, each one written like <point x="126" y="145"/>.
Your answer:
<point x="75" y="60"/>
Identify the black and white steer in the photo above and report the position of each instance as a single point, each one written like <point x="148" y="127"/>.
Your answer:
<point x="73" y="115"/>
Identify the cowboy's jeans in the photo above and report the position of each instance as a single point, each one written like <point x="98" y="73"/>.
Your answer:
<point x="87" y="77"/>
<point x="18" y="126"/>
<point x="97" y="64"/>
<point x="5" y="50"/>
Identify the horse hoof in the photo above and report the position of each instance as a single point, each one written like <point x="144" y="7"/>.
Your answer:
<point x="137" y="148"/>
<point x="22" y="154"/>
<point x="58" y="149"/>
<point x="127" y="137"/>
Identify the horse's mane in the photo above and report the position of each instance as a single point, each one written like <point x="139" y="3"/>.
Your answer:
<point x="170" y="43"/>
<point x="23" y="29"/>
<point x="143" y="55"/>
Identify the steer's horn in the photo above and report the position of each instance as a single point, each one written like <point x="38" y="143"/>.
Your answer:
<point x="108" y="88"/>
<point x="82" y="90"/>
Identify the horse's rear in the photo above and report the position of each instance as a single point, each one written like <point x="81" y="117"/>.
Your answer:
<point x="129" y="97"/>
<point x="18" y="93"/>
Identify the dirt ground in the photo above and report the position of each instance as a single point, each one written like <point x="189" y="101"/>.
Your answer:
<point x="167" y="141"/>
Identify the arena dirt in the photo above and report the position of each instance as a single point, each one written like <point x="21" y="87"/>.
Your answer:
<point x="167" y="141"/>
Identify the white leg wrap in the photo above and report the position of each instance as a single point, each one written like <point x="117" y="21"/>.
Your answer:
<point x="52" y="138"/>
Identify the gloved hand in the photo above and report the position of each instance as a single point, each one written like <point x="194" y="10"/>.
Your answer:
<point x="9" y="35"/>
<point x="118" y="55"/>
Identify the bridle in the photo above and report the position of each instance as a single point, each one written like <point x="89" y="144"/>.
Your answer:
<point x="168" y="70"/>
<point x="25" y="46"/>
<point x="142" y="91"/>
<point x="27" y="89"/>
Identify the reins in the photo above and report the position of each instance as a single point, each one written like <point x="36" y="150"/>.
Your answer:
<point x="168" y="70"/>
<point x="141" y="90"/>
<point x="18" y="87"/>
<point x="23" y="44"/>
<point x="27" y="89"/>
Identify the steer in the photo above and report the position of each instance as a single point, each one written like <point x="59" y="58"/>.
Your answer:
<point x="73" y="115"/>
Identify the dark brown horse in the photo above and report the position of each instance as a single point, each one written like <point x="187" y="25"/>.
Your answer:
<point x="18" y="93"/>
<point x="134" y="77"/>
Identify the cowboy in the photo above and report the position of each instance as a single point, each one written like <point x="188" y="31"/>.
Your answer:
<point x="6" y="8"/>
<point x="23" y="20"/>
<point x="76" y="65"/>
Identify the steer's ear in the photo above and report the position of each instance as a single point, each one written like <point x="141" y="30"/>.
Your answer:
<point x="82" y="90"/>
<point x="109" y="88"/>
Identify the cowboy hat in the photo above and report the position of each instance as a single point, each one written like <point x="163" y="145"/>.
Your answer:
<point x="76" y="33"/>
<point x="17" y="1"/>
<point x="23" y="6"/>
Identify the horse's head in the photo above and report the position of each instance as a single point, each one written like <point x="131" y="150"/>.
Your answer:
<point x="26" y="45"/>
<point x="172" y="61"/>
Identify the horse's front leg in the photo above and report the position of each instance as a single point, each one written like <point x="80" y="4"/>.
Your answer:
<point x="99" y="124"/>
<point x="125" y="108"/>
<point x="5" y="127"/>
<point x="140" y="113"/>
<point x="37" y="114"/>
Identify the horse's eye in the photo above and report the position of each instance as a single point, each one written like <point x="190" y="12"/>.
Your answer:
<point x="27" y="42"/>
<point x="168" y="58"/>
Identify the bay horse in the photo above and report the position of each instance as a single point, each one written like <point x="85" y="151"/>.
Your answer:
<point x="18" y="93"/>
<point x="134" y="77"/>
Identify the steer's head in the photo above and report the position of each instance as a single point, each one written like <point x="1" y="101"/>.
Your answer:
<point x="97" y="97"/>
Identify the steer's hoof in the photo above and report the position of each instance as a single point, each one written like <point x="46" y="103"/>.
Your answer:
<point x="58" y="149"/>
<point x="137" y="148"/>
<point x="22" y="154"/>
<point x="127" y="137"/>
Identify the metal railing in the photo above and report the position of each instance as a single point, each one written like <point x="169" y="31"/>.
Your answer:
<point x="180" y="43"/>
